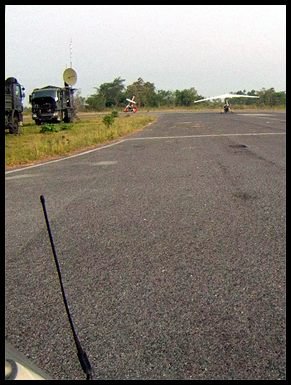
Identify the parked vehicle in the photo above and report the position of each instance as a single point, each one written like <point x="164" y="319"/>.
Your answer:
<point x="14" y="95"/>
<point x="52" y="104"/>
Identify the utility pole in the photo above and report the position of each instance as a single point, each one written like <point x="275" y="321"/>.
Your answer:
<point x="71" y="52"/>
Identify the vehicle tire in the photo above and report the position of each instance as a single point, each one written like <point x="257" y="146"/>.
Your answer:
<point x="68" y="120"/>
<point x="14" y="129"/>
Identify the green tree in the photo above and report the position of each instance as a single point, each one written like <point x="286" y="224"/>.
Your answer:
<point x="267" y="97"/>
<point x="112" y="92"/>
<point x="280" y="99"/>
<point x="96" y="102"/>
<point x="144" y="93"/>
<point x="165" y="98"/>
<point x="185" y="97"/>
<point x="238" y="101"/>
<point x="107" y="95"/>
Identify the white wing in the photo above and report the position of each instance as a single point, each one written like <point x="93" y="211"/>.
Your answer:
<point x="222" y="97"/>
<point x="131" y="100"/>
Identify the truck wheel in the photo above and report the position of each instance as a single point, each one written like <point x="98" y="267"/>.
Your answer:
<point x="14" y="129"/>
<point x="69" y="119"/>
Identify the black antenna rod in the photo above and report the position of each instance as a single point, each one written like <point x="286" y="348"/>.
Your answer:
<point x="82" y="355"/>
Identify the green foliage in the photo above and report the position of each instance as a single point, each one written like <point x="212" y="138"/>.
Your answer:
<point x="96" y="102"/>
<point x="51" y="127"/>
<point x="108" y="120"/>
<point x="107" y="95"/>
<point x="114" y="94"/>
<point x="165" y="98"/>
<point x="144" y="93"/>
<point x="114" y="114"/>
<point x="48" y="127"/>
<point x="272" y="98"/>
<point x="185" y="97"/>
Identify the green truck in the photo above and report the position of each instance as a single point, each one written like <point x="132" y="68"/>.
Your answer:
<point x="14" y="95"/>
<point x="52" y="104"/>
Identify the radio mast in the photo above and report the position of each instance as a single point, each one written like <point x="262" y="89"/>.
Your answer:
<point x="71" y="52"/>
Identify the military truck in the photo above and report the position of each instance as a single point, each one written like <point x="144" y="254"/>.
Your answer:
<point x="14" y="94"/>
<point x="52" y="104"/>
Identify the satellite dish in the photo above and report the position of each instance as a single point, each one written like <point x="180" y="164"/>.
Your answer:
<point x="70" y="76"/>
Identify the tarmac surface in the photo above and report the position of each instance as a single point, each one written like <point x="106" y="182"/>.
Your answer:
<point x="171" y="244"/>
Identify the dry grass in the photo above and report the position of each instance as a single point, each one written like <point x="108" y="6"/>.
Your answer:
<point x="34" y="146"/>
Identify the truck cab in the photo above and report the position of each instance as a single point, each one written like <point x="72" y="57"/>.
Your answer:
<point x="52" y="104"/>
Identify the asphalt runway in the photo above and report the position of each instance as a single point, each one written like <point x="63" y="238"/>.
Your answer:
<point x="171" y="244"/>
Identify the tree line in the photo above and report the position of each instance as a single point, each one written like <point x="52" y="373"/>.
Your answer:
<point x="113" y="95"/>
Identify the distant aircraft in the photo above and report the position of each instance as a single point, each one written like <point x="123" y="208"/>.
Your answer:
<point x="226" y="107"/>
<point x="130" y="107"/>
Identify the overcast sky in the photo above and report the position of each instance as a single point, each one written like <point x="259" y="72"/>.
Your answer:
<point x="214" y="48"/>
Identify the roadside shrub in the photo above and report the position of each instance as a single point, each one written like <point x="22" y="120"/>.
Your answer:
<point x="114" y="114"/>
<point x="48" y="127"/>
<point x="108" y="120"/>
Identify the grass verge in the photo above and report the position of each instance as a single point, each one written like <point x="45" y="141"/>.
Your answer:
<point x="34" y="146"/>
